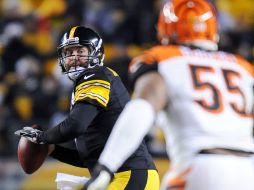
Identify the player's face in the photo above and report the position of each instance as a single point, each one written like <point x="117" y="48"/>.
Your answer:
<point x="76" y="56"/>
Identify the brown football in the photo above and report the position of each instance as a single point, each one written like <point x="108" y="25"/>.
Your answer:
<point x="30" y="155"/>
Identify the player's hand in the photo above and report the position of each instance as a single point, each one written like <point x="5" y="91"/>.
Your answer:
<point x="30" y="134"/>
<point x="100" y="179"/>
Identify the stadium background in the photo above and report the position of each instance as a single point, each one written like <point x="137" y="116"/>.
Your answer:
<point x="32" y="89"/>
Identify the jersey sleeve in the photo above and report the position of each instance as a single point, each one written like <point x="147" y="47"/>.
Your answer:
<point x="93" y="87"/>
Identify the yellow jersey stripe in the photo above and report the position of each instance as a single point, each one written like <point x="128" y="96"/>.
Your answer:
<point x="92" y="94"/>
<point x="102" y="82"/>
<point x="123" y="178"/>
<point x="93" y="84"/>
<point x="99" y="93"/>
<point x="114" y="73"/>
<point x="91" y="97"/>
<point x="153" y="180"/>
<point x="72" y="32"/>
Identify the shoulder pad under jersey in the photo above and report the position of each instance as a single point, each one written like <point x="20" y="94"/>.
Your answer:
<point x="149" y="60"/>
<point x="92" y="86"/>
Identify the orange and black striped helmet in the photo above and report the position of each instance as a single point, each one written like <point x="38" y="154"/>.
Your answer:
<point x="190" y="22"/>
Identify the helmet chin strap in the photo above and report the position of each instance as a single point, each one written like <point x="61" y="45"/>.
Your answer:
<point x="74" y="72"/>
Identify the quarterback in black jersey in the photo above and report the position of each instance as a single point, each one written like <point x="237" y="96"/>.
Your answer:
<point x="98" y="98"/>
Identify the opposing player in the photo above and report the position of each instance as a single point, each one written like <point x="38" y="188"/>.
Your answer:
<point x="206" y="96"/>
<point x="97" y="100"/>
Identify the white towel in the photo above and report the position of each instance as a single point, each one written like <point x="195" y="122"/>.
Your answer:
<point x="69" y="182"/>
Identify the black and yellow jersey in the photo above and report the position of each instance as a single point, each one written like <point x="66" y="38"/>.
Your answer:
<point x="102" y="88"/>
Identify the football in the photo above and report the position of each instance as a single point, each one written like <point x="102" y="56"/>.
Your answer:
<point x="30" y="155"/>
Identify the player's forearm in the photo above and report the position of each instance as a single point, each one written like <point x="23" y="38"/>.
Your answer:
<point x="127" y="134"/>
<point x="60" y="133"/>
<point x="73" y="126"/>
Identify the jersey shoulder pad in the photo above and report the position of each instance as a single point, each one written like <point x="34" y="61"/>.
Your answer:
<point x="142" y="68"/>
<point x="92" y="86"/>
<point x="113" y="72"/>
<point x="156" y="54"/>
<point x="142" y="64"/>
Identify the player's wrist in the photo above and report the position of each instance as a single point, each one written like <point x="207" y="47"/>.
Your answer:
<point x="40" y="139"/>
<point x="100" y="178"/>
<point x="100" y="167"/>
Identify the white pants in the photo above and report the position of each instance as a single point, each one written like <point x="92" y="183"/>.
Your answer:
<point x="214" y="172"/>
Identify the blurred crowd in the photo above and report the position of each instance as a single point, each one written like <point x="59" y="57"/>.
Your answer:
<point x="32" y="88"/>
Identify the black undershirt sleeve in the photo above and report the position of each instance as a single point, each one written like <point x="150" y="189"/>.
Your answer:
<point x="68" y="156"/>
<point x="73" y="126"/>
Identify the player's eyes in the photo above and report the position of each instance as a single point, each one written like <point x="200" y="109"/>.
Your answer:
<point x="81" y="52"/>
<point x="68" y="53"/>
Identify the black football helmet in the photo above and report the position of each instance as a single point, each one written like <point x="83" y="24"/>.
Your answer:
<point x="81" y="36"/>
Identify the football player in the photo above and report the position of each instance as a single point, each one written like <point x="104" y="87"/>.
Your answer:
<point x="207" y="99"/>
<point x="98" y="98"/>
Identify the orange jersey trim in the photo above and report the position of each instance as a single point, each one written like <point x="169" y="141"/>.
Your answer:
<point x="160" y="53"/>
<point x="246" y="65"/>
<point x="179" y="181"/>
<point x="156" y="54"/>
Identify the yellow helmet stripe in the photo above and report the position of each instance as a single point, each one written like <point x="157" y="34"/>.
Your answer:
<point x="72" y="32"/>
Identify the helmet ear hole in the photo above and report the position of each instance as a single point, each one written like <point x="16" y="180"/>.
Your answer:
<point x="93" y="62"/>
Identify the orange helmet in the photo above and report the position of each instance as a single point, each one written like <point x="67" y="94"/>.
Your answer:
<point x="190" y="22"/>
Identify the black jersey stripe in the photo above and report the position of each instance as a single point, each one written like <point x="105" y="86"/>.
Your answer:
<point x="133" y="184"/>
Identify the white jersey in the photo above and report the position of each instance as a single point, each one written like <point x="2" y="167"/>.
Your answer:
<point x="210" y="100"/>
